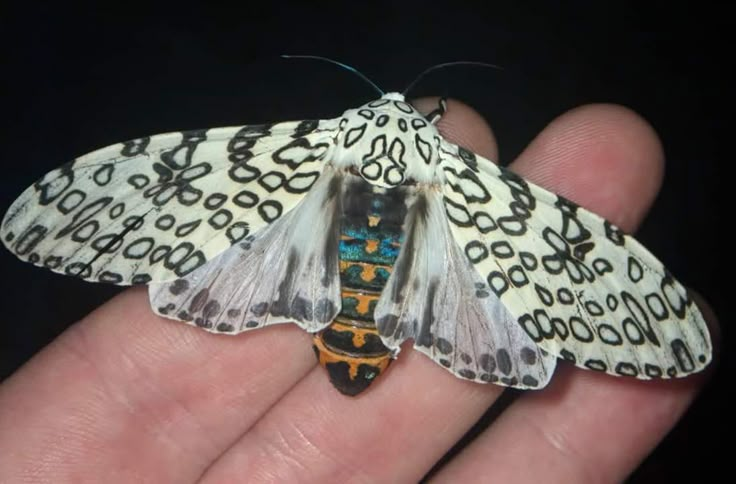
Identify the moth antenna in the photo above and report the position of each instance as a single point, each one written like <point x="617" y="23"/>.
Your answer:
<point x="443" y="65"/>
<point x="344" y="66"/>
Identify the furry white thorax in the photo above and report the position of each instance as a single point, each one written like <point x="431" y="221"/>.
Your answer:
<point x="388" y="142"/>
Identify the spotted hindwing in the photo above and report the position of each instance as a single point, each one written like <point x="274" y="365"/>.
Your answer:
<point x="155" y="209"/>
<point x="436" y="297"/>
<point x="579" y="287"/>
<point x="287" y="272"/>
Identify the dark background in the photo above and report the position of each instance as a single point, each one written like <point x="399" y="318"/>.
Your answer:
<point x="76" y="79"/>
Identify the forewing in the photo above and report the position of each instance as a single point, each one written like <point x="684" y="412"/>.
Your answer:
<point x="154" y="209"/>
<point x="436" y="297"/>
<point x="286" y="272"/>
<point x="580" y="287"/>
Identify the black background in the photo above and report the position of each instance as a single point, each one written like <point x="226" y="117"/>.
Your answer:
<point x="79" y="79"/>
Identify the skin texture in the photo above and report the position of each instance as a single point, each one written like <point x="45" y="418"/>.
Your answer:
<point x="126" y="396"/>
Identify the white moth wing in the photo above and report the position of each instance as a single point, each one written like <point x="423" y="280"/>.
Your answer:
<point x="436" y="297"/>
<point x="287" y="272"/>
<point x="580" y="288"/>
<point x="154" y="209"/>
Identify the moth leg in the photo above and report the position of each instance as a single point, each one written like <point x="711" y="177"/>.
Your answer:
<point x="437" y="114"/>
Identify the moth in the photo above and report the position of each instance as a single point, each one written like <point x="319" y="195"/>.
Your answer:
<point x="365" y="230"/>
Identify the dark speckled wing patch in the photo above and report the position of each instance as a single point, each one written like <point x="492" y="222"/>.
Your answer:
<point x="437" y="298"/>
<point x="288" y="272"/>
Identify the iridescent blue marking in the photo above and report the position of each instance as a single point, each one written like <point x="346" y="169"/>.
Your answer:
<point x="354" y="251"/>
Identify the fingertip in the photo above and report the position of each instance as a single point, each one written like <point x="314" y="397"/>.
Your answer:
<point x="605" y="157"/>
<point x="463" y="126"/>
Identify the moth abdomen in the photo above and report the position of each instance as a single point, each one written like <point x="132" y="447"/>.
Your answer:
<point x="370" y="239"/>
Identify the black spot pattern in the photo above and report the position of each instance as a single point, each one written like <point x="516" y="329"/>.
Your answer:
<point x="171" y="173"/>
<point x="602" y="294"/>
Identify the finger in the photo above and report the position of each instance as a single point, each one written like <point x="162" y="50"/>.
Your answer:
<point x="127" y="390"/>
<point x="463" y="126"/>
<point x="604" y="157"/>
<point x="584" y="427"/>
<point x="405" y="421"/>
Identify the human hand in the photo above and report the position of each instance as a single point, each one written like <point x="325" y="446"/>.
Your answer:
<point x="126" y="396"/>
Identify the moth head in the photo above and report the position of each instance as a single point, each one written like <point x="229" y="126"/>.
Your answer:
<point x="388" y="142"/>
